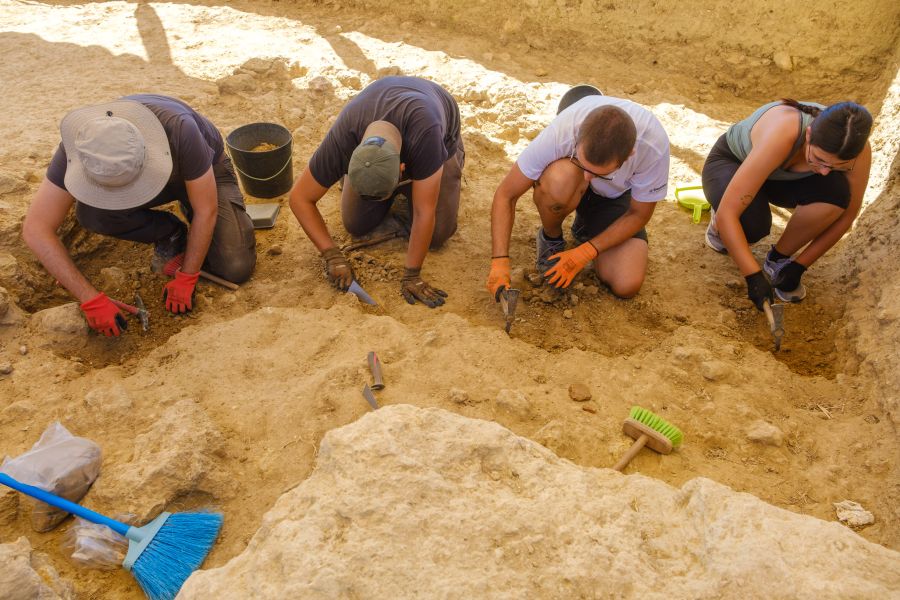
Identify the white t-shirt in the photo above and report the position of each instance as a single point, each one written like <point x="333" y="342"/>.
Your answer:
<point x="645" y="173"/>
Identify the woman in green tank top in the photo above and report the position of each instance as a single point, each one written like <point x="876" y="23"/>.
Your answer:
<point x="802" y="156"/>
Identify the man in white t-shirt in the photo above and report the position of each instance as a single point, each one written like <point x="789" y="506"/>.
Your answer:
<point x="608" y="160"/>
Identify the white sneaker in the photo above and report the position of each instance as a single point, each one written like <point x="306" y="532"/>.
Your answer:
<point x="773" y="268"/>
<point x="712" y="234"/>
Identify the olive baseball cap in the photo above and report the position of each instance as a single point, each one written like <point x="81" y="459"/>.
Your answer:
<point x="117" y="154"/>
<point x="374" y="168"/>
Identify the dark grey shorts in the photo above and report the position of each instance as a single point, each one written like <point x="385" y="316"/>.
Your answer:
<point x="595" y="213"/>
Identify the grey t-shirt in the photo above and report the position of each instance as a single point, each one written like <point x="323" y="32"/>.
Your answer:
<point x="424" y="112"/>
<point x="194" y="141"/>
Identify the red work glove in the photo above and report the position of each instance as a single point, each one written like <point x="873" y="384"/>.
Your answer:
<point x="569" y="264"/>
<point x="179" y="292"/>
<point x="499" y="276"/>
<point x="103" y="316"/>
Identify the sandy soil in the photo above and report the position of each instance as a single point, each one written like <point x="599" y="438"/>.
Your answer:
<point x="689" y="346"/>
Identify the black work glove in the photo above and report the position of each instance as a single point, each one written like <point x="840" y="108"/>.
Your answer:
<point x="413" y="288"/>
<point x="759" y="289"/>
<point x="337" y="269"/>
<point x="788" y="278"/>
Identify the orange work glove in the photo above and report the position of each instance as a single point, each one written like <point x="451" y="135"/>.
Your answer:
<point x="569" y="264"/>
<point x="103" y="316"/>
<point x="499" y="276"/>
<point x="179" y="292"/>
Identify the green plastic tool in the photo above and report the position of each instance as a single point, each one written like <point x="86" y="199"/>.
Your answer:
<point x="692" y="198"/>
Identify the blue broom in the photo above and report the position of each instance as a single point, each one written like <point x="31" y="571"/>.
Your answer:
<point x="162" y="554"/>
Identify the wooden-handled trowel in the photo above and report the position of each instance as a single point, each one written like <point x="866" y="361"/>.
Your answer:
<point x="508" y="298"/>
<point x="775" y="316"/>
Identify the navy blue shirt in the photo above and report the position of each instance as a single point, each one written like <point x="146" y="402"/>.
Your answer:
<point x="425" y="114"/>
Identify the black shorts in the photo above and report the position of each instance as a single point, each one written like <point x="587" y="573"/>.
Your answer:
<point x="595" y="213"/>
<point x="756" y="220"/>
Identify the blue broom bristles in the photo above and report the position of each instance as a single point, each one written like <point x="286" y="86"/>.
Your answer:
<point x="177" y="550"/>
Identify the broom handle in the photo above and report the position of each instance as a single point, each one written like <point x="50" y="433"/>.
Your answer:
<point x="635" y="448"/>
<point x="62" y="503"/>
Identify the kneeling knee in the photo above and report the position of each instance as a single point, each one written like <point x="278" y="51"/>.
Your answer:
<point x="626" y="289"/>
<point x="238" y="269"/>
<point x="441" y="235"/>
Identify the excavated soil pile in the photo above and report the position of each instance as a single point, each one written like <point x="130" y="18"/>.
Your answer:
<point x="228" y="406"/>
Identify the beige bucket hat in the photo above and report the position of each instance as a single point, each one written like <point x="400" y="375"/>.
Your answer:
<point x="117" y="154"/>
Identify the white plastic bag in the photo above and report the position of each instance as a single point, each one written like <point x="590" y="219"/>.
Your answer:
<point x="96" y="546"/>
<point x="59" y="463"/>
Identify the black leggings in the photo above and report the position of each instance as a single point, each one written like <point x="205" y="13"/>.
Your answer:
<point x="756" y="220"/>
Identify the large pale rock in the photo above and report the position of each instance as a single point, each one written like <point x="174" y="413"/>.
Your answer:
<point x="422" y="503"/>
<point x="28" y="575"/>
<point x="172" y="458"/>
<point x="62" y="321"/>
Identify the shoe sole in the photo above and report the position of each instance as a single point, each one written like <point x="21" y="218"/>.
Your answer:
<point x="792" y="296"/>
<point x="714" y="249"/>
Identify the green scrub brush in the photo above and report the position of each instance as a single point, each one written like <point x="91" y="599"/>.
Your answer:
<point x="648" y="429"/>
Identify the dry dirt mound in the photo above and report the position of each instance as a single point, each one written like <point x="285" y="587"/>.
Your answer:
<point x="408" y="502"/>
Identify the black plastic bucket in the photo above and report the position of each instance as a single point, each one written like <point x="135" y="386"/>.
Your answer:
<point x="575" y="94"/>
<point x="264" y="174"/>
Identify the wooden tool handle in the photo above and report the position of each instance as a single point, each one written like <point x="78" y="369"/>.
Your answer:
<point x="767" y="308"/>
<point x="126" y="307"/>
<point x="635" y="448"/>
<point x="219" y="280"/>
<point x="375" y="368"/>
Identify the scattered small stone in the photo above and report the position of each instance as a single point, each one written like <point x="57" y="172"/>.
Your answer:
<point x="573" y="298"/>
<point x="591" y="290"/>
<point x="579" y="392"/>
<point x="541" y="72"/>
<point x="234" y="84"/>
<point x="320" y="85"/>
<point x="275" y="250"/>
<point x="568" y="314"/>
<point x="765" y="433"/>
<point x="783" y="60"/>
<point x="535" y="279"/>
<point x="113" y="278"/>
<point x="589" y="409"/>
<point x="714" y="370"/>
<point x="23" y="350"/>
<point x="513" y="403"/>
<point x="548" y="296"/>
<point x="871" y="419"/>
<point x="458" y="396"/>
<point x="853" y="514"/>
<point x="6" y="368"/>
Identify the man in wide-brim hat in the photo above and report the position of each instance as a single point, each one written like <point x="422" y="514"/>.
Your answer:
<point x="116" y="163"/>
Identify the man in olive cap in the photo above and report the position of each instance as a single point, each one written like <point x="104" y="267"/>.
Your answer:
<point x="399" y="136"/>
<point x="116" y="162"/>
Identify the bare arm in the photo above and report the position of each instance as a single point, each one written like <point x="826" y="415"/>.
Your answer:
<point x="204" y="200"/>
<point x="623" y="228"/>
<point x="772" y="142"/>
<point x="424" y="204"/>
<point x="858" y="179"/>
<point x="45" y="215"/>
<point x="503" y="209"/>
<point x="303" y="198"/>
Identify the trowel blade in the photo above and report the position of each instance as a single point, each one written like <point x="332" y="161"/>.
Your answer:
<point x="360" y="293"/>
<point x="778" y="324"/>
<point x="508" y="300"/>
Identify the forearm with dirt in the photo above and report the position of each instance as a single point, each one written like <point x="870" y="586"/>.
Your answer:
<point x="858" y="180"/>
<point x="53" y="255"/>
<point x="304" y="196"/>
<point x="624" y="228"/>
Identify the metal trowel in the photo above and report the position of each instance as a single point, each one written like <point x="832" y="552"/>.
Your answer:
<point x="775" y="316"/>
<point x="509" y="297"/>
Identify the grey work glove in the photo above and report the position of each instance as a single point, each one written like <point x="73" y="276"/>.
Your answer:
<point x="337" y="269"/>
<point x="414" y="288"/>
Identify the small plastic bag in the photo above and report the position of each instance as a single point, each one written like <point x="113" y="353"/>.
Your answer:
<point x="96" y="546"/>
<point x="59" y="463"/>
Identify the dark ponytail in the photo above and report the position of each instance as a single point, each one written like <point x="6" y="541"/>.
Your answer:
<point x="841" y="129"/>
<point x="807" y="108"/>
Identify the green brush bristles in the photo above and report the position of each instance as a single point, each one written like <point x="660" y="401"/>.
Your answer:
<point x="657" y="423"/>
